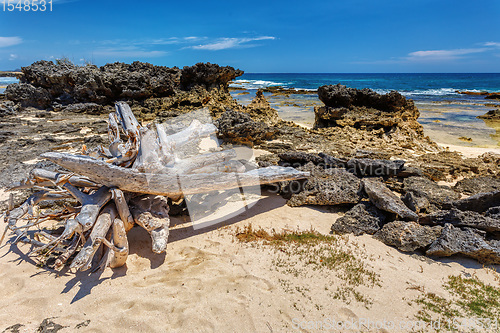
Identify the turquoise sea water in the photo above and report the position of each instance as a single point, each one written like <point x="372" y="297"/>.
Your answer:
<point x="5" y="81"/>
<point x="445" y="114"/>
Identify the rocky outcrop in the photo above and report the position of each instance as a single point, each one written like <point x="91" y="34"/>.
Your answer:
<point x="260" y="110"/>
<point x="476" y="185"/>
<point x="408" y="236"/>
<point x="299" y="158"/>
<point x="466" y="242"/>
<point x="325" y="187"/>
<point x="364" y="218"/>
<point x="7" y="108"/>
<point x="238" y="127"/>
<point x="207" y="75"/>
<point x="491" y="115"/>
<point x="480" y="202"/>
<point x="89" y="108"/>
<point x="364" y="109"/>
<point x="452" y="164"/>
<point x="493" y="212"/>
<point x="424" y="195"/>
<point x="46" y="83"/>
<point x="28" y="95"/>
<point x="387" y="121"/>
<point x="385" y="199"/>
<point x="460" y="218"/>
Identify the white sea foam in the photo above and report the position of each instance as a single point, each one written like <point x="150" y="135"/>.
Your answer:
<point x="7" y="80"/>
<point x="431" y="92"/>
<point x="254" y="84"/>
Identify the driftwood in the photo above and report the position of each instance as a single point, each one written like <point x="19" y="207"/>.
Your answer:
<point x="126" y="184"/>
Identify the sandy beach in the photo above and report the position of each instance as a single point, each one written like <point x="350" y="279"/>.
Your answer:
<point x="210" y="282"/>
<point x="277" y="267"/>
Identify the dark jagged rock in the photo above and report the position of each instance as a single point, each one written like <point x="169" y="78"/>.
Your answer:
<point x="408" y="236"/>
<point x="28" y="95"/>
<point x="460" y="218"/>
<point x="7" y="108"/>
<point x="493" y="96"/>
<point x="337" y="96"/>
<point x="384" y="199"/>
<point x="104" y="84"/>
<point x="326" y="187"/>
<point x="364" y="218"/>
<point x="207" y="75"/>
<point x="479" y="202"/>
<point x="365" y="166"/>
<point x="89" y="108"/>
<point x="424" y="195"/>
<point x="363" y="108"/>
<point x="371" y="167"/>
<point x="467" y="242"/>
<point x="406" y="172"/>
<point x="66" y="83"/>
<point x="333" y="162"/>
<point x="238" y="127"/>
<point x="299" y="158"/>
<point x="418" y="204"/>
<point x="493" y="212"/>
<point x="477" y="185"/>
<point x="491" y="115"/>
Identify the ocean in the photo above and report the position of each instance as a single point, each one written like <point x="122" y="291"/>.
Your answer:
<point x="5" y="81"/>
<point x="445" y="114"/>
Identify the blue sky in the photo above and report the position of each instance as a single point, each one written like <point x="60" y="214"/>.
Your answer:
<point x="263" y="36"/>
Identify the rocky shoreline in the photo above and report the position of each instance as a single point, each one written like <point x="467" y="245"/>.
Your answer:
<point x="366" y="152"/>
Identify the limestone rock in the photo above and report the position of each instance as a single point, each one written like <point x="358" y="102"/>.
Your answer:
<point x="480" y="202"/>
<point x="424" y="195"/>
<point x="28" y="95"/>
<point x="238" y="127"/>
<point x="362" y="218"/>
<point x="260" y="110"/>
<point x="460" y="218"/>
<point x="465" y="242"/>
<point x="408" y="236"/>
<point x="493" y="212"/>
<point x="384" y="199"/>
<point x="477" y="185"/>
<point x="326" y="187"/>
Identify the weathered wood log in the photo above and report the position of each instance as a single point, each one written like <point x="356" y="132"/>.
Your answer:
<point x="118" y="246"/>
<point x="127" y="119"/>
<point x="102" y="225"/>
<point x="229" y="166"/>
<point x="169" y="184"/>
<point x="41" y="177"/>
<point x="168" y="143"/>
<point x="151" y="213"/>
<point x="113" y="135"/>
<point x="91" y="204"/>
<point x="123" y="210"/>
<point x="199" y="161"/>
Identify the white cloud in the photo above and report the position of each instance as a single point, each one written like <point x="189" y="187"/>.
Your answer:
<point x="10" y="41"/>
<point x="494" y="44"/>
<point x="439" y="55"/>
<point x="229" y="43"/>
<point x="13" y="56"/>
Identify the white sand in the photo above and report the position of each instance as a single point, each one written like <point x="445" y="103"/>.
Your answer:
<point x="469" y="151"/>
<point x="210" y="282"/>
